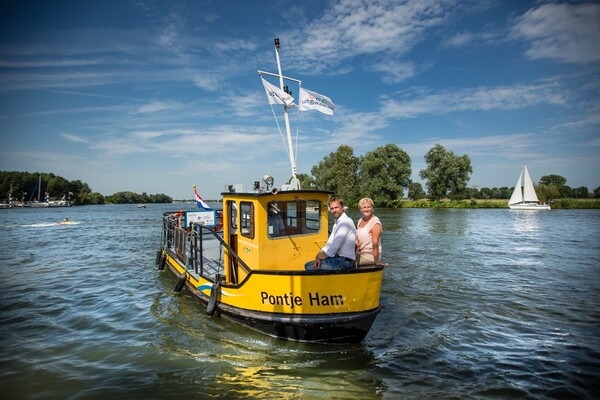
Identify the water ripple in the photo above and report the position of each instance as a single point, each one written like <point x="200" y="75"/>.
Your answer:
<point x="475" y="304"/>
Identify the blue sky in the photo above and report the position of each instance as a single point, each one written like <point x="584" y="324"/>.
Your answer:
<point x="155" y="96"/>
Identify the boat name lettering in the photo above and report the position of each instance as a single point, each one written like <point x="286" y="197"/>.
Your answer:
<point x="281" y="300"/>
<point x="288" y="299"/>
<point x="332" y="300"/>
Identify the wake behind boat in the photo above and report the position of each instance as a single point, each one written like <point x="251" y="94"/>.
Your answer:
<point x="66" y="221"/>
<point x="524" y="196"/>
<point x="246" y="262"/>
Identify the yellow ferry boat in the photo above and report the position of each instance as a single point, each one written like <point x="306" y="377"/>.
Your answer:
<point x="246" y="262"/>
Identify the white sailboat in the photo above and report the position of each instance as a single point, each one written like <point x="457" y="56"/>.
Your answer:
<point x="524" y="196"/>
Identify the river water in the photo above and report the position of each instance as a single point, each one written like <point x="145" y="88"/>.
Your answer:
<point x="475" y="304"/>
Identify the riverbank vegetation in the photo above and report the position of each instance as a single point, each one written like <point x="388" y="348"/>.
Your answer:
<point x="559" y="204"/>
<point x="384" y="175"/>
<point x="25" y="186"/>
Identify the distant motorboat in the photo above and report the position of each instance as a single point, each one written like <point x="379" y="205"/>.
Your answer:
<point x="524" y="196"/>
<point x="66" y="221"/>
<point x="141" y="206"/>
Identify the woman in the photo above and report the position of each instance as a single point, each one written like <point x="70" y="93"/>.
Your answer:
<point x="368" y="235"/>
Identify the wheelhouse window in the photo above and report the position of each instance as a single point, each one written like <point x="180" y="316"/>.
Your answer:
<point x="290" y="218"/>
<point x="232" y="215"/>
<point x="247" y="219"/>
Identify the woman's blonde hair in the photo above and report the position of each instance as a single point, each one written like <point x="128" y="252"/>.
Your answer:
<point x="366" y="200"/>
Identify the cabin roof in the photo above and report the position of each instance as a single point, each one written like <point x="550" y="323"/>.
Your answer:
<point x="263" y="193"/>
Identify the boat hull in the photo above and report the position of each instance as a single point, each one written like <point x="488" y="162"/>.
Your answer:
<point x="529" y="206"/>
<point x="346" y="318"/>
<point x="328" y="328"/>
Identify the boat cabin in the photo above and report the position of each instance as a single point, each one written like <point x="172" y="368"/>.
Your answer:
<point x="273" y="231"/>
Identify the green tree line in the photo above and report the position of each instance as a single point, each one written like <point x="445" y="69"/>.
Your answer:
<point x="384" y="175"/>
<point x="130" y="198"/>
<point x="24" y="187"/>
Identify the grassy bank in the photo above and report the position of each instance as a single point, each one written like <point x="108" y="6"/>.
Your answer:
<point x="575" y="204"/>
<point x="501" y="203"/>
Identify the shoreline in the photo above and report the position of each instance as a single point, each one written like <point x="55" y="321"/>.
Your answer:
<point x="558" y="204"/>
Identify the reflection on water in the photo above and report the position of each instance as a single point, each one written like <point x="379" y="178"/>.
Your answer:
<point x="446" y="222"/>
<point x="524" y="222"/>
<point x="475" y="304"/>
<point x="524" y="237"/>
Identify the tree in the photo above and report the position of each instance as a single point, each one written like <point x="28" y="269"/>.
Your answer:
<point x="384" y="173"/>
<point x="559" y="183"/>
<point x="496" y="194"/>
<point x="547" y="192"/>
<point x="24" y="186"/>
<point x="91" y="198"/>
<point x="580" y="193"/>
<point x="415" y="191"/>
<point x="132" y="198"/>
<point x="446" y="173"/>
<point x="306" y="181"/>
<point x="553" y="180"/>
<point x="485" y="193"/>
<point x="505" y="192"/>
<point x="338" y="172"/>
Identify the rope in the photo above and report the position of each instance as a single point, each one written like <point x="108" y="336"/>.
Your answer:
<point x="280" y="133"/>
<point x="297" y="134"/>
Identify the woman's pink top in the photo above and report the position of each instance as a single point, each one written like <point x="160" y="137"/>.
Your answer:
<point x="365" y="239"/>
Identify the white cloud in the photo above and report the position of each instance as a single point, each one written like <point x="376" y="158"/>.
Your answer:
<point x="206" y="82"/>
<point x="74" y="138"/>
<point x="480" y="98"/>
<point x="465" y="38"/>
<point x="157" y="106"/>
<point x="354" y="27"/>
<point x="460" y="39"/>
<point x="60" y="62"/>
<point x="395" y="72"/>
<point x="564" y="32"/>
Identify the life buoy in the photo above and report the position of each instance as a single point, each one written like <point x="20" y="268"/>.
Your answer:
<point x="178" y="216"/>
<point x="180" y="282"/>
<point x="219" y="225"/>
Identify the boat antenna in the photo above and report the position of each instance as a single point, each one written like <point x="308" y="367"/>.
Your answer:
<point x="294" y="182"/>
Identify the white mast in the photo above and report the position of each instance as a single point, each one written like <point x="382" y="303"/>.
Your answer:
<point x="294" y="181"/>
<point x="285" y="113"/>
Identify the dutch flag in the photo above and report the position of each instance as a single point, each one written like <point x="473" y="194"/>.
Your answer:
<point x="200" y="201"/>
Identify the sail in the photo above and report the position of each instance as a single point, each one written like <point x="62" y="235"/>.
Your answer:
<point x="517" y="194"/>
<point x="528" y="190"/>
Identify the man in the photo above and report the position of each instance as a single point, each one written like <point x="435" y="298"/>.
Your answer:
<point x="275" y="222"/>
<point x="338" y="252"/>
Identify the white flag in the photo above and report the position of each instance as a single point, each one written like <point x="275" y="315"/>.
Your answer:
<point x="276" y="95"/>
<point x="314" y="101"/>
